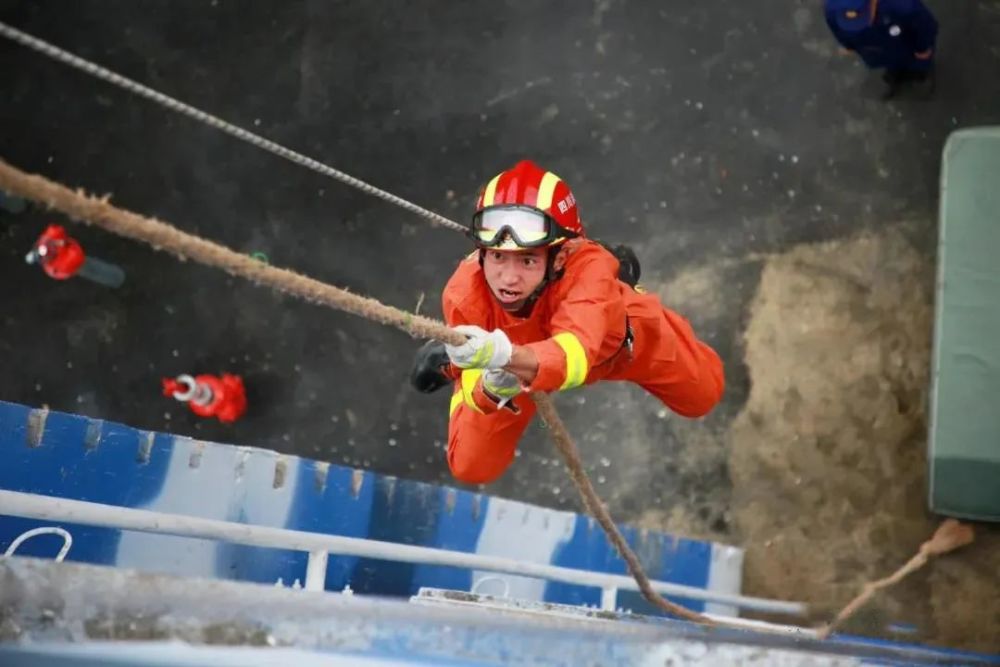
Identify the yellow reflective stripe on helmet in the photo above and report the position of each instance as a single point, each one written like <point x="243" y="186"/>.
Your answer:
<point x="469" y="378"/>
<point x="545" y="191"/>
<point x="456" y="400"/>
<point x="491" y="191"/>
<point x="576" y="359"/>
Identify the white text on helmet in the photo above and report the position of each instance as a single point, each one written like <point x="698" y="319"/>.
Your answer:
<point x="565" y="203"/>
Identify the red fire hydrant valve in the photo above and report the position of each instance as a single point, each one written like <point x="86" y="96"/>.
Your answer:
<point x="58" y="253"/>
<point x="223" y="397"/>
<point x="62" y="257"/>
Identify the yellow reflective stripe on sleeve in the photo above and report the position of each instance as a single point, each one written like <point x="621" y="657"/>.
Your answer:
<point x="491" y="191"/>
<point x="545" y="191"/>
<point x="469" y="379"/>
<point x="576" y="359"/>
<point x="456" y="400"/>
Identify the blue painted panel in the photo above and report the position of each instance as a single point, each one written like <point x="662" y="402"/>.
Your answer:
<point x="665" y="558"/>
<point x="458" y="529"/>
<point x="407" y="515"/>
<point x="87" y="459"/>
<point x="349" y="509"/>
<point x="103" y="462"/>
<point x="103" y="468"/>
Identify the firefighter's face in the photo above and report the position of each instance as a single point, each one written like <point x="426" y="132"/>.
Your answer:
<point x="514" y="275"/>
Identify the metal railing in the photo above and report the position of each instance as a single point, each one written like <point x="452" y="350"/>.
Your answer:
<point x="319" y="546"/>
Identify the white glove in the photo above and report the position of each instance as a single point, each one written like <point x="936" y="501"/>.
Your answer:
<point x="483" y="349"/>
<point x="501" y="385"/>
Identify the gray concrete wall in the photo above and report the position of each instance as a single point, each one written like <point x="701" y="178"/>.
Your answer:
<point x="717" y="137"/>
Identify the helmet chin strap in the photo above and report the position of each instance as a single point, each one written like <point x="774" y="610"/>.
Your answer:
<point x="551" y="274"/>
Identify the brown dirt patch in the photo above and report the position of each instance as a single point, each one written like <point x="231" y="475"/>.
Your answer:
<point x="827" y="458"/>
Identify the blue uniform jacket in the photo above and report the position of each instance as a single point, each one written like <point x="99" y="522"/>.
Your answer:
<point x="901" y="28"/>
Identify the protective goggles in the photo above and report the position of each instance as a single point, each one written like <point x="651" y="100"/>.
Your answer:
<point x="526" y="227"/>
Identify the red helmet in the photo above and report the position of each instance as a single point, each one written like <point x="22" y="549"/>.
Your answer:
<point x="525" y="207"/>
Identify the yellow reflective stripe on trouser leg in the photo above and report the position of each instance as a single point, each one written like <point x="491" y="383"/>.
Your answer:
<point x="456" y="400"/>
<point x="469" y="379"/>
<point x="576" y="360"/>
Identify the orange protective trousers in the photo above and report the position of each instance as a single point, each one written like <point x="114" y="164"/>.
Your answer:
<point x="666" y="359"/>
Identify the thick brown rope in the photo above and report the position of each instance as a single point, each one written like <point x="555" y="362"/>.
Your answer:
<point x="100" y="213"/>
<point x="566" y="447"/>
<point x="162" y="236"/>
<point x="949" y="536"/>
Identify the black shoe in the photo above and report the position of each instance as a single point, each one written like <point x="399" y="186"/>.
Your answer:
<point x="426" y="376"/>
<point x="893" y="80"/>
<point x="925" y="82"/>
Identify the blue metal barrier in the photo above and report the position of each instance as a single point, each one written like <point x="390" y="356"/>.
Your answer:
<point x="76" y="457"/>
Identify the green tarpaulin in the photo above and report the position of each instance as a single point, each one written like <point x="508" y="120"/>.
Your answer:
<point x="965" y="408"/>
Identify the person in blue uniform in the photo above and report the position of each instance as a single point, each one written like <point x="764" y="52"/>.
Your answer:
<point x="898" y="36"/>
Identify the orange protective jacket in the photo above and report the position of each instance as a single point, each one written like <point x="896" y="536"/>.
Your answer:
<point x="577" y="327"/>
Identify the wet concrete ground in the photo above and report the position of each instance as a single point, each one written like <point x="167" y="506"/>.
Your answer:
<point x="714" y="137"/>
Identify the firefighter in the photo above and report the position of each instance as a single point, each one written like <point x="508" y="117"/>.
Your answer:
<point x="544" y="309"/>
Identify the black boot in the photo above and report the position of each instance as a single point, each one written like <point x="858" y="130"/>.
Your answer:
<point x="426" y="375"/>
<point x="925" y="82"/>
<point x="893" y="79"/>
